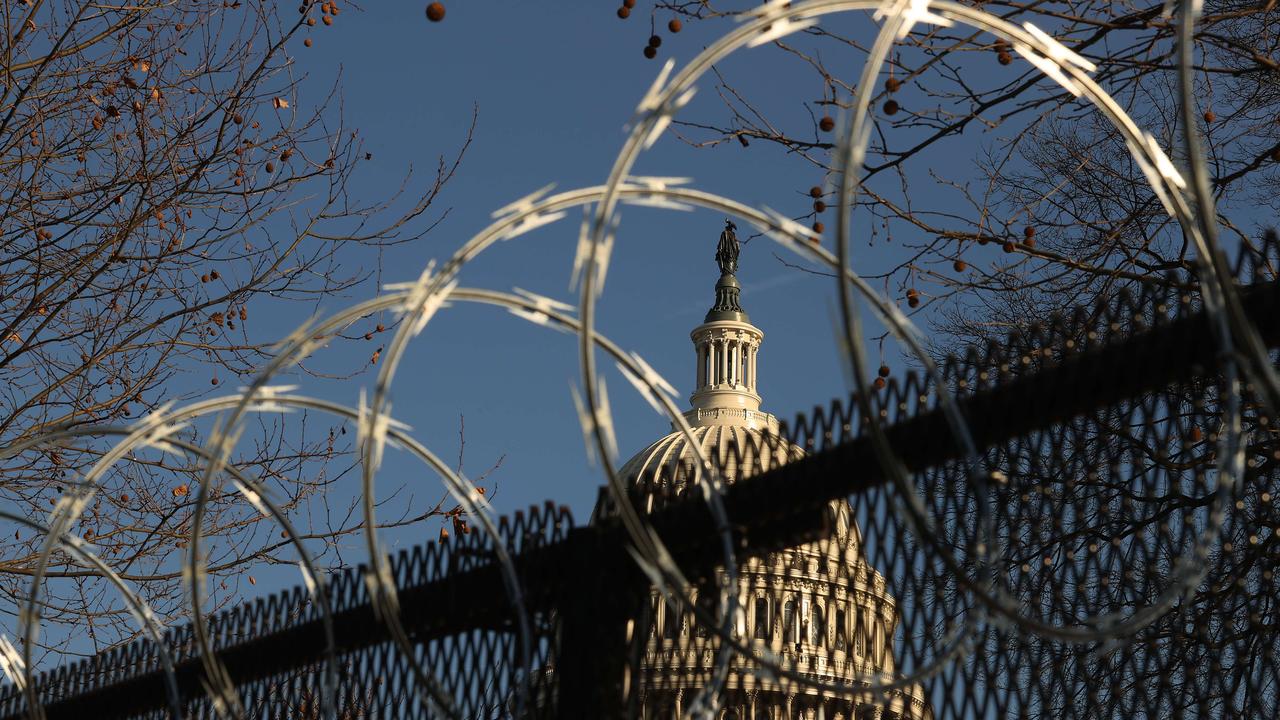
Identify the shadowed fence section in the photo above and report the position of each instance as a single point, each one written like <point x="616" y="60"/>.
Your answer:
<point x="1096" y="433"/>
<point x="275" y="647"/>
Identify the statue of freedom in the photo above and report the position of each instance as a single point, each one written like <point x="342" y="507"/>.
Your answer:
<point x="727" y="250"/>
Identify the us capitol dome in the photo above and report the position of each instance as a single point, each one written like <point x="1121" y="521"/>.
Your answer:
<point x="819" y="608"/>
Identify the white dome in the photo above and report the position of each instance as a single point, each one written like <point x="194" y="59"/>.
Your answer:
<point x="738" y="452"/>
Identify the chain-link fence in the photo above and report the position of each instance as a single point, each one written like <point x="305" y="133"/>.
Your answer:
<point x="1092" y="565"/>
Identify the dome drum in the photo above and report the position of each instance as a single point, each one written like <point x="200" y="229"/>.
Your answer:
<point x="726" y="365"/>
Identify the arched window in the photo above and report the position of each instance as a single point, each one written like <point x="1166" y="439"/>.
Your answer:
<point x="696" y="626"/>
<point x="817" y="626"/>
<point x="671" y="623"/>
<point x="761" y="621"/>
<point x="790" y="626"/>
<point x="860" y="632"/>
<point x="841" y="641"/>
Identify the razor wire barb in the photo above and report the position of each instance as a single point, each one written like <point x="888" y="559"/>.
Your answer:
<point x="1190" y="204"/>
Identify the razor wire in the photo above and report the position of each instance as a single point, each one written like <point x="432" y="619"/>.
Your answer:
<point x="418" y="302"/>
<point x="778" y="19"/>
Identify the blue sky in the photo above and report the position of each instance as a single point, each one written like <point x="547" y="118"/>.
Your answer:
<point x="555" y="89"/>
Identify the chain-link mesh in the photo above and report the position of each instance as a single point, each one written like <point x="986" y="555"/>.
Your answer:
<point x="1089" y="568"/>
<point x="453" y="605"/>
<point x="1100" y="435"/>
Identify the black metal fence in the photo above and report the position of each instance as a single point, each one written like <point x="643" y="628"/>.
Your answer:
<point x="1078" y="584"/>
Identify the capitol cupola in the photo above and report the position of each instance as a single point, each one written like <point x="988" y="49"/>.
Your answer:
<point x="727" y="345"/>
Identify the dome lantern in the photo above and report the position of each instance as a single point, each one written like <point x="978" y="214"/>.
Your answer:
<point x="726" y="345"/>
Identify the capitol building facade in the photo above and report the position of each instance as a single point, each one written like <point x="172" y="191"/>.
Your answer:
<point x="819" y="608"/>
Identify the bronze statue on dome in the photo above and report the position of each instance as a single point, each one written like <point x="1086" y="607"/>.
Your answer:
<point x="727" y="250"/>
